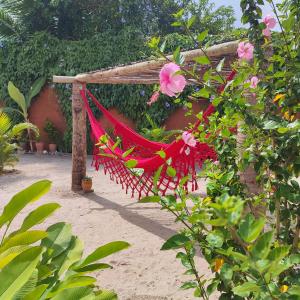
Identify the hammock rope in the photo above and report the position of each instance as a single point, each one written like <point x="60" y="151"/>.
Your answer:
<point x="182" y="158"/>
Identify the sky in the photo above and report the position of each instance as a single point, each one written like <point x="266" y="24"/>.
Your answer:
<point x="238" y="13"/>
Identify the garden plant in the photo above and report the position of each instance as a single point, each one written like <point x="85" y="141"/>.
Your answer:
<point x="247" y="227"/>
<point x="47" y="263"/>
<point x="9" y="136"/>
<point x="24" y="102"/>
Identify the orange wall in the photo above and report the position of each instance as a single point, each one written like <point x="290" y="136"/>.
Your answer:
<point x="46" y="106"/>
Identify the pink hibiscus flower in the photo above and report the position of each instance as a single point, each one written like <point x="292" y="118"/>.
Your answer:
<point x="170" y="82"/>
<point x="245" y="51"/>
<point x="189" y="139"/>
<point x="254" y="82"/>
<point x="270" y="21"/>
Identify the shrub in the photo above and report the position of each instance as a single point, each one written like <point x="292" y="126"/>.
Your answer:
<point x="9" y="134"/>
<point x="47" y="264"/>
<point x="247" y="226"/>
<point x="53" y="133"/>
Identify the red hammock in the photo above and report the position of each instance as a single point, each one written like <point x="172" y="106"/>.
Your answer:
<point x="181" y="157"/>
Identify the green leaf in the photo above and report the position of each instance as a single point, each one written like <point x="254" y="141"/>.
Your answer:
<point x="161" y="153"/>
<point x="220" y="65"/>
<point x="18" y="97"/>
<point x="201" y="37"/>
<point x="215" y="239"/>
<point x="58" y="239"/>
<point x="282" y="130"/>
<point x="279" y="253"/>
<point x="175" y="242"/>
<point x="268" y="125"/>
<point x="178" y="57"/>
<point x="70" y="256"/>
<point x="157" y="176"/>
<point x="93" y="267"/>
<point x="212" y="287"/>
<point x="226" y="273"/>
<point x="74" y="281"/>
<point x="191" y="21"/>
<point x="28" y="287"/>
<point x="171" y="171"/>
<point x="23" y="238"/>
<point x="20" y="200"/>
<point x="14" y="275"/>
<point x="294" y="290"/>
<point x="129" y="151"/>
<point x="189" y="285"/>
<point x="9" y="254"/>
<point x="202" y="60"/>
<point x="104" y="251"/>
<point x="84" y="293"/>
<point x="35" y="89"/>
<point x="262" y="246"/>
<point x="203" y="93"/>
<point x="36" y="293"/>
<point x="250" y="229"/>
<point x="106" y="295"/>
<point x="150" y="199"/>
<point x="38" y="215"/>
<point x="245" y="289"/>
<point x="131" y="163"/>
<point x="179" y="14"/>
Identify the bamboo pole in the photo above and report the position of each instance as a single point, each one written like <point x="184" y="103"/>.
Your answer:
<point x="78" y="138"/>
<point x="138" y="68"/>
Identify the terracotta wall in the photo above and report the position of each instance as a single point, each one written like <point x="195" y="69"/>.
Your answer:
<point x="46" y="106"/>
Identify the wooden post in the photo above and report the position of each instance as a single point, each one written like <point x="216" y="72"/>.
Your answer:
<point x="78" y="138"/>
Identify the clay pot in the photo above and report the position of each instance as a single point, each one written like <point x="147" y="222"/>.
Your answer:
<point x="52" y="148"/>
<point x="86" y="184"/>
<point x="39" y="147"/>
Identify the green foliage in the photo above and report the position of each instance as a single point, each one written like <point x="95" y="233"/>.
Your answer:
<point x="247" y="226"/>
<point x="53" y="133"/>
<point x="22" y="101"/>
<point x="156" y="133"/>
<point x="47" y="264"/>
<point x="9" y="134"/>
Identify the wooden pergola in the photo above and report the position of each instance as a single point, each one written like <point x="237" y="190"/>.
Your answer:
<point x="145" y="72"/>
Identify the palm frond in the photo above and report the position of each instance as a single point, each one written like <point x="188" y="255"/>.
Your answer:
<point x="8" y="25"/>
<point x="5" y="123"/>
<point x="17" y="129"/>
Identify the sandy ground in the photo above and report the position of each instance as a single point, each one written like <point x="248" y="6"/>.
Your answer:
<point x="140" y="272"/>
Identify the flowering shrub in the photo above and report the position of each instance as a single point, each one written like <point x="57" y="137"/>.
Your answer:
<point x="247" y="226"/>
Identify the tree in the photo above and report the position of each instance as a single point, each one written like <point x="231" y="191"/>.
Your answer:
<point x="75" y="19"/>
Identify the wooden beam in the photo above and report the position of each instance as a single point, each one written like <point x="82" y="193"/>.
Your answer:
<point x="78" y="138"/>
<point x="63" y="79"/>
<point x="137" y="68"/>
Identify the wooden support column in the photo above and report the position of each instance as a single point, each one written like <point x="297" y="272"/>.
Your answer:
<point x="78" y="138"/>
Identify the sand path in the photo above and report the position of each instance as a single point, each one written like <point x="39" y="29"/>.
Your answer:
<point x="142" y="271"/>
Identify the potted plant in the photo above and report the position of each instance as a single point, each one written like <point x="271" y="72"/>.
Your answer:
<point x="22" y="141"/>
<point x="39" y="145"/>
<point x="86" y="184"/>
<point x="54" y="136"/>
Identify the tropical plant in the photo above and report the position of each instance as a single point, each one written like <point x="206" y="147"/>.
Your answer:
<point x="53" y="133"/>
<point x="24" y="102"/>
<point x="9" y="134"/>
<point x="247" y="226"/>
<point x="47" y="264"/>
<point x="75" y="19"/>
